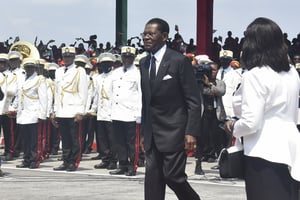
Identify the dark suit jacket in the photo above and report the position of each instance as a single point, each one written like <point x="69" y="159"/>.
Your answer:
<point x="172" y="109"/>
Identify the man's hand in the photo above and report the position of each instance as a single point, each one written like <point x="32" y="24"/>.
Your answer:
<point x="142" y="144"/>
<point x="11" y="114"/>
<point x="78" y="118"/>
<point x="190" y="143"/>
<point x="53" y="120"/>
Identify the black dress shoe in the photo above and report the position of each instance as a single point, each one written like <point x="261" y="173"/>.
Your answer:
<point x="112" y="165"/>
<point x="71" y="168"/>
<point x="54" y="152"/>
<point x="198" y="168"/>
<point x="130" y="173"/>
<point x="118" y="171"/>
<point x="102" y="165"/>
<point x="215" y="167"/>
<point x="22" y="165"/>
<point x="141" y="163"/>
<point x="34" y="165"/>
<point x="61" y="167"/>
<point x="98" y="157"/>
<point x="16" y="154"/>
<point x="1" y="173"/>
<point x="8" y="157"/>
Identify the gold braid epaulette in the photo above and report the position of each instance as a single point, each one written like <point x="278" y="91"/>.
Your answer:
<point x="13" y="79"/>
<point x="38" y="82"/>
<point x="3" y="80"/>
<point x="73" y="84"/>
<point x="23" y="92"/>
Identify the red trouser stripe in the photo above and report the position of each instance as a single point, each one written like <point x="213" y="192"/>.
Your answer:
<point x="137" y="146"/>
<point x="79" y="135"/>
<point x="48" y="135"/>
<point x="39" y="144"/>
<point x="12" y="135"/>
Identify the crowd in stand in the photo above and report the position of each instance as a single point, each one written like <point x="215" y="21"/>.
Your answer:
<point x="224" y="75"/>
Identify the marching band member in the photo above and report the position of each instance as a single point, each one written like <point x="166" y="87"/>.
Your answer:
<point x="31" y="109"/>
<point x="69" y="108"/>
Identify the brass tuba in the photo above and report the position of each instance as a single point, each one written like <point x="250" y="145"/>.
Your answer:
<point x="27" y="49"/>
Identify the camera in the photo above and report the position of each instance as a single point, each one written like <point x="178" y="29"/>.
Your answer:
<point x="200" y="70"/>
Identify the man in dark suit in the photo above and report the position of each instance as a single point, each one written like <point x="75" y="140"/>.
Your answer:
<point x="170" y="114"/>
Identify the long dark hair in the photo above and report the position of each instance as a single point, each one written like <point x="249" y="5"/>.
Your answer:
<point x="264" y="46"/>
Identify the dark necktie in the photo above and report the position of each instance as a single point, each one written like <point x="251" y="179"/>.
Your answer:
<point x="222" y="74"/>
<point x="153" y="69"/>
<point x="66" y="69"/>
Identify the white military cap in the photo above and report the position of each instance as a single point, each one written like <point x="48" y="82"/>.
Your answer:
<point x="68" y="51"/>
<point x="106" y="57"/>
<point x="88" y="65"/>
<point x="202" y="59"/>
<point x="29" y="62"/>
<point x="81" y="58"/>
<point x="118" y="57"/>
<point x="15" y="54"/>
<point x="226" y="54"/>
<point x="3" y="57"/>
<point x="139" y="57"/>
<point x="128" y="51"/>
<point x="51" y="66"/>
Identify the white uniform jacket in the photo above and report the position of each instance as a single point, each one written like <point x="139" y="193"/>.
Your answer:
<point x="91" y="92"/>
<point x="267" y="104"/>
<point x="71" y="91"/>
<point x="32" y="100"/>
<point x="127" y="94"/>
<point x="231" y="79"/>
<point x="15" y="80"/>
<point x="3" y="86"/>
<point x="50" y="95"/>
<point x="103" y="97"/>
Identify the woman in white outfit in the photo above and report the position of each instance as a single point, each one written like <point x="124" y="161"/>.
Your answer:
<point x="266" y="105"/>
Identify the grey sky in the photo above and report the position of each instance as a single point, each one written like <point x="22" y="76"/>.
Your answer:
<point x="65" y="20"/>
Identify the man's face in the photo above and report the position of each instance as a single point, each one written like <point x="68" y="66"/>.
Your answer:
<point x="153" y="38"/>
<point x="296" y="59"/>
<point x="29" y="69"/>
<point x="68" y="60"/>
<point x="3" y="66"/>
<point x="127" y="60"/>
<point x="14" y="63"/>
<point x="224" y="62"/>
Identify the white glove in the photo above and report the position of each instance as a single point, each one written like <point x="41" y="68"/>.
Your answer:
<point x="138" y="120"/>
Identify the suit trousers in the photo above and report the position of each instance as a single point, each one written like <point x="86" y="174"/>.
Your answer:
<point x="267" y="180"/>
<point x="124" y="133"/>
<point x="88" y="130"/>
<point x="5" y="123"/>
<point x="71" y="140"/>
<point x="107" y="141"/>
<point x="167" y="168"/>
<point x="29" y="133"/>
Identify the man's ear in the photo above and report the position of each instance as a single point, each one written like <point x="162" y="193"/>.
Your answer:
<point x="165" y="36"/>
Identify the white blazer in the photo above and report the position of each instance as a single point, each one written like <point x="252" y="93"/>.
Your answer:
<point x="126" y="94"/>
<point x="103" y="97"/>
<point x="32" y="100"/>
<point x="71" y="91"/>
<point x="267" y="105"/>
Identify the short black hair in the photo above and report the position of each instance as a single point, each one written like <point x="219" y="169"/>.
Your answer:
<point x="163" y="26"/>
<point x="264" y="46"/>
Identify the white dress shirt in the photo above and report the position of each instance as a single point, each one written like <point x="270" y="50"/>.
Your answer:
<point x="267" y="104"/>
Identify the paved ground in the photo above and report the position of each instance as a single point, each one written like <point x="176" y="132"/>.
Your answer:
<point x="88" y="183"/>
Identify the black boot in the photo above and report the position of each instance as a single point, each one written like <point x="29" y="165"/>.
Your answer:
<point x="198" y="168"/>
